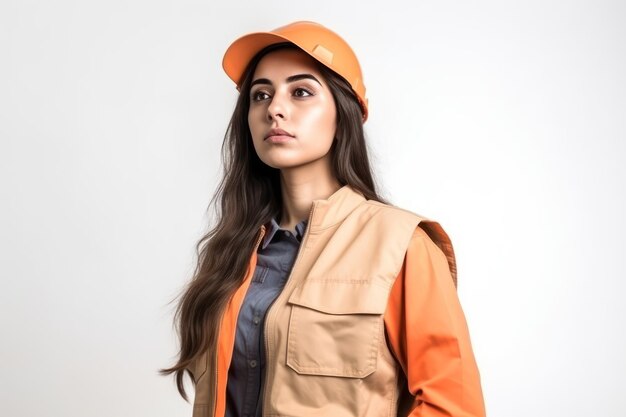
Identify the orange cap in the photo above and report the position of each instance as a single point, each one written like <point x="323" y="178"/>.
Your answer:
<point x="316" y="40"/>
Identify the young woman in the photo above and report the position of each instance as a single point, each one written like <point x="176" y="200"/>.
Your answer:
<point x="312" y="295"/>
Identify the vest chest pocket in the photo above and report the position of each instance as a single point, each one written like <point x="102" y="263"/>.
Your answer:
<point x="335" y="327"/>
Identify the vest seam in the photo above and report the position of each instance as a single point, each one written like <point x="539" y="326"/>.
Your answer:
<point x="392" y="207"/>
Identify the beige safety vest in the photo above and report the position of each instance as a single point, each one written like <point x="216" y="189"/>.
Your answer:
<point x="324" y="335"/>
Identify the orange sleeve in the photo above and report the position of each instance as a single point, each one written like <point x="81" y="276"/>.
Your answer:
<point x="428" y="334"/>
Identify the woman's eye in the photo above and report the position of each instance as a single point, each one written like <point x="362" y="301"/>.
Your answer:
<point x="302" y="90"/>
<point x="258" y="95"/>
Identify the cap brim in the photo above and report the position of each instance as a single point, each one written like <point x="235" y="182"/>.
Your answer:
<point x="242" y="50"/>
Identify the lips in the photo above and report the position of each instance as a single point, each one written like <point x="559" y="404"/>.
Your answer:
<point x="278" y="132"/>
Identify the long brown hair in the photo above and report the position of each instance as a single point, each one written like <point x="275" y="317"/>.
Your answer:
<point x="249" y="195"/>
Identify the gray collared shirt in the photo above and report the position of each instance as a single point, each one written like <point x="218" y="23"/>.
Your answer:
<point x="275" y="258"/>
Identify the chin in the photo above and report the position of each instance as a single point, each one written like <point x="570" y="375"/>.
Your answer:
<point x="291" y="158"/>
<point x="281" y="163"/>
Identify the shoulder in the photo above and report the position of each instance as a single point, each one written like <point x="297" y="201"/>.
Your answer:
<point x="391" y="218"/>
<point x="422" y="244"/>
<point x="425" y="235"/>
<point x="391" y="211"/>
<point x="424" y="227"/>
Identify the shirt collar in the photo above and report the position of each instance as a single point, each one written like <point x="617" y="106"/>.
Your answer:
<point x="273" y="227"/>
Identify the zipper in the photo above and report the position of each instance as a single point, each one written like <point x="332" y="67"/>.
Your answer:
<point x="268" y="368"/>
<point x="256" y="247"/>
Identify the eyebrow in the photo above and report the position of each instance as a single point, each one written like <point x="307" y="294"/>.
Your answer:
<point x="289" y="79"/>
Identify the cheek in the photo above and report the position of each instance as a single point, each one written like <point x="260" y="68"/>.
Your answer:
<point x="321" y="121"/>
<point x="329" y="121"/>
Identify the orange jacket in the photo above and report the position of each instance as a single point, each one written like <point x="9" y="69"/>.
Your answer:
<point x="369" y="322"/>
<point x="429" y="336"/>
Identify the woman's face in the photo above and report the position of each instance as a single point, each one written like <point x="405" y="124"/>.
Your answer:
<point x="289" y="93"/>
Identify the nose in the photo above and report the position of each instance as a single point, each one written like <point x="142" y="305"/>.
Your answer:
<point x="277" y="108"/>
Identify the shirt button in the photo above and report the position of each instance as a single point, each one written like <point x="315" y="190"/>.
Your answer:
<point x="256" y="319"/>
<point x="253" y="363"/>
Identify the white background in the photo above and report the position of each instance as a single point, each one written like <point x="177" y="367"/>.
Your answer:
<point x="505" y="121"/>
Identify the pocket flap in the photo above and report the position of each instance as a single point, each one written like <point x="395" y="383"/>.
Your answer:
<point x="342" y="296"/>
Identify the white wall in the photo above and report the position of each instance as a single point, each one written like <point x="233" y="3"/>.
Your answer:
<point x="503" y="120"/>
